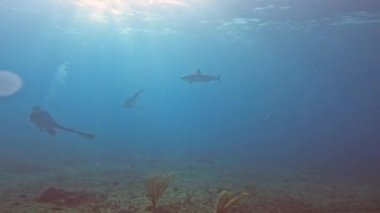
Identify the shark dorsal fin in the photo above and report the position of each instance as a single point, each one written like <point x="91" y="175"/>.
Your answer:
<point x="198" y="72"/>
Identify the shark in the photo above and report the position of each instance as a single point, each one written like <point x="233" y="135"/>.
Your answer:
<point x="45" y="122"/>
<point x="132" y="100"/>
<point x="199" y="77"/>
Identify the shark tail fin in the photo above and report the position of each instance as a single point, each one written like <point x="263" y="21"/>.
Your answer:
<point x="218" y="79"/>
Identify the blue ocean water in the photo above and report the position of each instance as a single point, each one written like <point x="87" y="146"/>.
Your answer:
<point x="298" y="89"/>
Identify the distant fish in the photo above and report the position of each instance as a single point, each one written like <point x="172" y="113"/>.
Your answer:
<point x="199" y="77"/>
<point x="268" y="117"/>
<point x="132" y="100"/>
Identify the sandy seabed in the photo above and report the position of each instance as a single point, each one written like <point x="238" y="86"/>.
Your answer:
<point x="117" y="186"/>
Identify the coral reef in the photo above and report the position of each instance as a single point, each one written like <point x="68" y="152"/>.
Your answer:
<point x="65" y="198"/>
<point x="115" y="189"/>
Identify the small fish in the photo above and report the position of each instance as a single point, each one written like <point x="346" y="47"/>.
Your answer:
<point x="132" y="100"/>
<point x="199" y="77"/>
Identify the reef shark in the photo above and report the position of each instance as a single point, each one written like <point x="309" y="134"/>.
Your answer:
<point x="199" y="77"/>
<point x="132" y="100"/>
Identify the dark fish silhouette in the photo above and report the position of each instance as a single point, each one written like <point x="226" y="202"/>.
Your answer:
<point x="199" y="77"/>
<point x="44" y="121"/>
<point x="132" y="100"/>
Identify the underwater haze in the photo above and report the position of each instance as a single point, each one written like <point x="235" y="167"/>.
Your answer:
<point x="190" y="106"/>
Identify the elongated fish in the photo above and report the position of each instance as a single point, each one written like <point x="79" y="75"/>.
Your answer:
<point x="199" y="77"/>
<point x="132" y="100"/>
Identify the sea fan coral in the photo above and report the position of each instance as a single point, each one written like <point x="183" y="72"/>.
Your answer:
<point x="226" y="201"/>
<point x="155" y="187"/>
